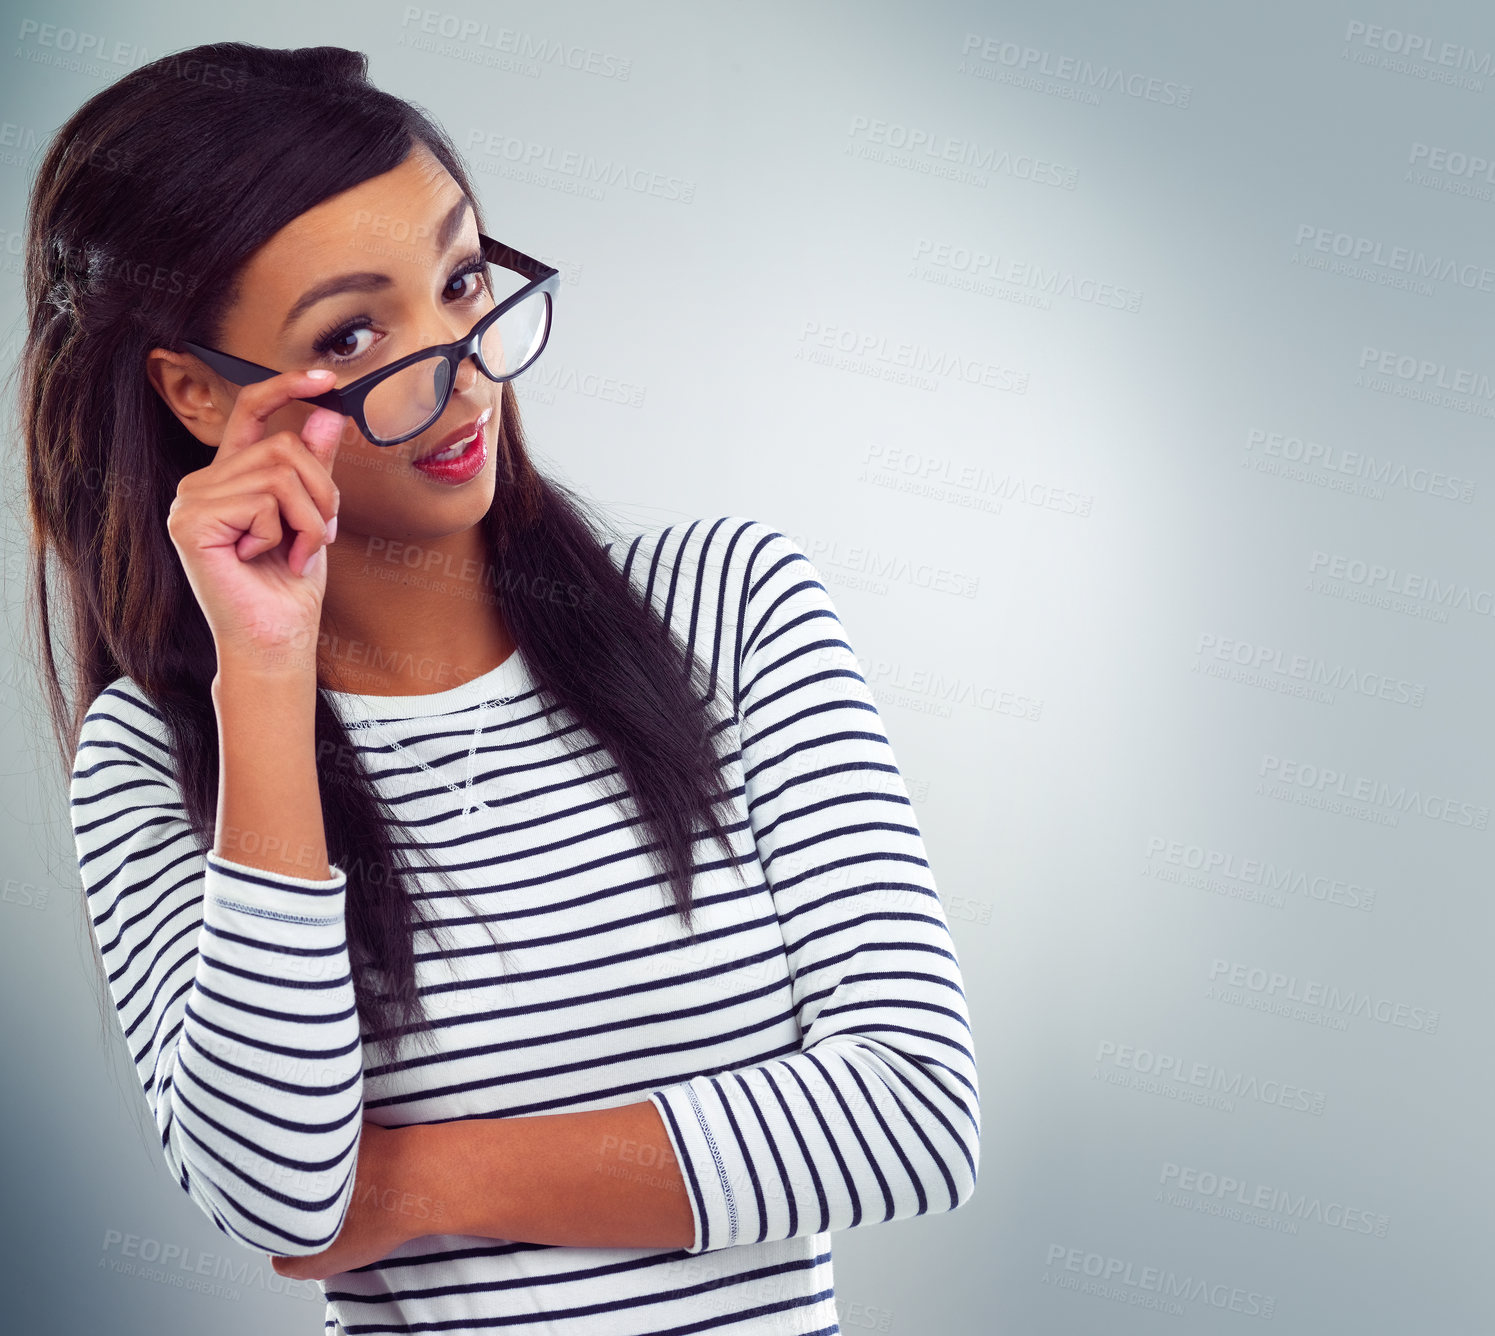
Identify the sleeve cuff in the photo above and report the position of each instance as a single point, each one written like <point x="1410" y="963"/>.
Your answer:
<point x="690" y="1114"/>
<point x="298" y="903"/>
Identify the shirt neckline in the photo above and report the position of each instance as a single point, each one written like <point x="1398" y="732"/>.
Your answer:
<point x="509" y="678"/>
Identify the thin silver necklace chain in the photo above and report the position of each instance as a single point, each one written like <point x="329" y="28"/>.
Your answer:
<point x="464" y="792"/>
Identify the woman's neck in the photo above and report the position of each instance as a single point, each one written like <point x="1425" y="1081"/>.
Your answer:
<point x="408" y="619"/>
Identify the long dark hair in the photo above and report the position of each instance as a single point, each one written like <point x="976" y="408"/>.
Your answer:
<point x="145" y="206"/>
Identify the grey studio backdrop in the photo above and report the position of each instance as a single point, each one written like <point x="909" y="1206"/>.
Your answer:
<point x="1127" y="372"/>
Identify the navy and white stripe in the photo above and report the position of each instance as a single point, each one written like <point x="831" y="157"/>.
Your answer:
<point x="809" y="1048"/>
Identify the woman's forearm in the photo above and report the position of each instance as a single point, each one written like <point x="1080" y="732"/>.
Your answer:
<point x="269" y="801"/>
<point x="597" y="1178"/>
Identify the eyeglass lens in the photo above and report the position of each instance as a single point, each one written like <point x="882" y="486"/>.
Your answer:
<point x="411" y="399"/>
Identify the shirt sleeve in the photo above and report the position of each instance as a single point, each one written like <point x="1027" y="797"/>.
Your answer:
<point x="877" y="1116"/>
<point x="233" y="990"/>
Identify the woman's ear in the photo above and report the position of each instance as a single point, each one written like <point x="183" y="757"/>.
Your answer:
<point x="190" y="390"/>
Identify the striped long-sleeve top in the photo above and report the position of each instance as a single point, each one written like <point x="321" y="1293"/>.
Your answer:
<point x="809" y="1050"/>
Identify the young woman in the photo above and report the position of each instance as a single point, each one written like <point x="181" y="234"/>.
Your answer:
<point x="507" y="925"/>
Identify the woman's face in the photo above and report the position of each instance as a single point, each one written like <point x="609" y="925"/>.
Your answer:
<point x="333" y="289"/>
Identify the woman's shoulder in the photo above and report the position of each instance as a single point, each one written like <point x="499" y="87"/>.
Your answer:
<point x="123" y="714"/>
<point x="688" y="546"/>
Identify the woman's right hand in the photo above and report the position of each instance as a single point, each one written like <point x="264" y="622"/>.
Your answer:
<point x="250" y="526"/>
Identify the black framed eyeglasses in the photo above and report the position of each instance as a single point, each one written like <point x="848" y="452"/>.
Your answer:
<point x="401" y="400"/>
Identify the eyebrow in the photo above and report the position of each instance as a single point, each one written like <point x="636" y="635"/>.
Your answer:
<point x="368" y="281"/>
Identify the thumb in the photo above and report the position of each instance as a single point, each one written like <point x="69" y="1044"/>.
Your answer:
<point x="323" y="433"/>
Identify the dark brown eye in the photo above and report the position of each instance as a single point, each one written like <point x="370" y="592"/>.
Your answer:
<point x="459" y="279"/>
<point x="342" y="343"/>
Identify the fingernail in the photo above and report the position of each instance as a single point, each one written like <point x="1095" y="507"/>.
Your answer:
<point x="321" y="373"/>
<point x="332" y="529"/>
<point x="311" y="564"/>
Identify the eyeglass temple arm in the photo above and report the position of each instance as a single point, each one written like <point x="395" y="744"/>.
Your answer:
<point x="241" y="371"/>
<point x="496" y="252"/>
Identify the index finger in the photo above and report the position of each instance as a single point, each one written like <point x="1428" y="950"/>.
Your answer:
<point x="257" y="400"/>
